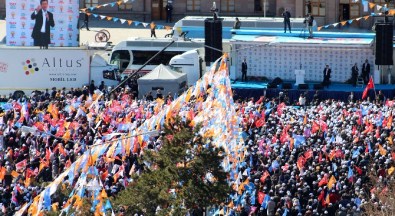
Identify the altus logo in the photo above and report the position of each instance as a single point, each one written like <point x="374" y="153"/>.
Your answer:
<point x="30" y="66"/>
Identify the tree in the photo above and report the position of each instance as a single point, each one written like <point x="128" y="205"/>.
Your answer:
<point x="184" y="175"/>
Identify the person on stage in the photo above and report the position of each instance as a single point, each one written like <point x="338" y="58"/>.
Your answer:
<point x="244" y="70"/>
<point x="42" y="26"/>
<point x="354" y="74"/>
<point x="327" y="76"/>
<point x="287" y="20"/>
<point x="366" y="71"/>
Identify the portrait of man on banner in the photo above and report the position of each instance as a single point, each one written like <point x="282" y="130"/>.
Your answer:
<point x="42" y="27"/>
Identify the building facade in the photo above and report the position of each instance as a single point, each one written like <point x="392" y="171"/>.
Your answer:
<point x="325" y="11"/>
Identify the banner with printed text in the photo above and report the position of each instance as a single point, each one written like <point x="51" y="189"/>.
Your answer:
<point x="20" y="25"/>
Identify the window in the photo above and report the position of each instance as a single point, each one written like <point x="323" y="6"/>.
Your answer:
<point x="91" y="3"/>
<point x="317" y="7"/>
<point x="125" y="6"/>
<point x="140" y="57"/>
<point x="227" y="6"/>
<point x="353" y="7"/>
<point x="193" y="5"/>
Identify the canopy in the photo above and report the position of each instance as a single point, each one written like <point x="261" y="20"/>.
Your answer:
<point x="164" y="78"/>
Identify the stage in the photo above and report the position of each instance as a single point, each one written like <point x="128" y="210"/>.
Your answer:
<point x="338" y="91"/>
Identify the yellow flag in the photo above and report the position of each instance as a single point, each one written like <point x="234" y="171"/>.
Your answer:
<point x="382" y="151"/>
<point x="66" y="136"/>
<point x="331" y="182"/>
<point x="391" y="170"/>
<point x="55" y="207"/>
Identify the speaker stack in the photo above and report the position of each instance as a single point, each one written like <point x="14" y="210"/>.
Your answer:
<point x="384" y="44"/>
<point x="213" y="38"/>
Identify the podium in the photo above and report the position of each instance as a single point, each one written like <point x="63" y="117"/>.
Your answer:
<point x="299" y="74"/>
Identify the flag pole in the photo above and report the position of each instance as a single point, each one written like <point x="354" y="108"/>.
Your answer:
<point x="374" y="87"/>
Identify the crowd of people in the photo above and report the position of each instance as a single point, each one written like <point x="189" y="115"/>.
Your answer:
<point x="331" y="157"/>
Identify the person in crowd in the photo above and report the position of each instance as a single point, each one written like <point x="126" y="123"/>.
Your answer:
<point x="327" y="76"/>
<point x="354" y="74"/>
<point x="287" y="20"/>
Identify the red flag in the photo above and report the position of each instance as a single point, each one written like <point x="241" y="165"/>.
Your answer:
<point x="315" y="127"/>
<point x="359" y="170"/>
<point x="308" y="154"/>
<point x="260" y="122"/>
<point x="280" y="108"/>
<point x="323" y="181"/>
<point x="260" y="100"/>
<point x="261" y="197"/>
<point x="264" y="176"/>
<point x="301" y="162"/>
<point x="393" y="155"/>
<point x="369" y="86"/>
<point x="21" y="164"/>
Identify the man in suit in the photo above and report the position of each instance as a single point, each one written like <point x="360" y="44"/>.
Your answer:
<point x="244" y="70"/>
<point x="354" y="74"/>
<point x="44" y="21"/>
<point x="287" y="20"/>
<point x="366" y="71"/>
<point x="327" y="75"/>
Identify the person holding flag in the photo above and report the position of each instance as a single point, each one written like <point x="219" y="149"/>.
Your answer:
<point x="369" y="86"/>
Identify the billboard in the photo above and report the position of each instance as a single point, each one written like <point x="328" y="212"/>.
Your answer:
<point x="61" y="22"/>
<point x="29" y="69"/>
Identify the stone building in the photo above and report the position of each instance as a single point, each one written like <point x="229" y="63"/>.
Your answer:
<point x="324" y="11"/>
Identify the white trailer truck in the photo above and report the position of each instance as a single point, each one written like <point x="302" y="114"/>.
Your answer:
<point x="29" y="69"/>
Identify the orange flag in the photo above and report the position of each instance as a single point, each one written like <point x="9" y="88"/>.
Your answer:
<point x="2" y="173"/>
<point x="331" y="182"/>
<point x="14" y="174"/>
<point x="382" y="151"/>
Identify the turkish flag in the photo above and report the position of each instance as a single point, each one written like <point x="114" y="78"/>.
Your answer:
<point x="261" y="197"/>
<point x="369" y="86"/>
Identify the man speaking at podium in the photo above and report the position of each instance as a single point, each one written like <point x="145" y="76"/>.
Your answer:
<point x="41" y="30"/>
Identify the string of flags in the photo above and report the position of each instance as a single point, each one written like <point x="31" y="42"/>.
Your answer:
<point x="112" y="4"/>
<point x="221" y="123"/>
<point x="123" y="21"/>
<point x="371" y="6"/>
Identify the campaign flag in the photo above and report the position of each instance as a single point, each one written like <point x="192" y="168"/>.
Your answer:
<point x="369" y="86"/>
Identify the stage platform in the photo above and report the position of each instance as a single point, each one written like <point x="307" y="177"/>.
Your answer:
<point x="338" y="91"/>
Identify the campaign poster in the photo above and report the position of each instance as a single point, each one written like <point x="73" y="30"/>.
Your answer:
<point x="42" y="23"/>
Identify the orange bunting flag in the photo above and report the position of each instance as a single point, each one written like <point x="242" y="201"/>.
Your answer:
<point x="319" y="28"/>
<point x="109" y="18"/>
<point x="343" y="23"/>
<point x="371" y="5"/>
<point x="130" y="22"/>
<point x="331" y="182"/>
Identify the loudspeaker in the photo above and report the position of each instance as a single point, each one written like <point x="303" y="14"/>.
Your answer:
<point x="213" y="38"/>
<point x="318" y="86"/>
<point x="271" y="85"/>
<point x="303" y="86"/>
<point x="287" y="85"/>
<point x="277" y="81"/>
<point x="384" y="44"/>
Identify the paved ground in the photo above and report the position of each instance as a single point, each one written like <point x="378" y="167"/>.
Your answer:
<point x="117" y="30"/>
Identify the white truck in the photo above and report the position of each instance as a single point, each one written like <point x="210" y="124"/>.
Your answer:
<point x="191" y="63"/>
<point x="24" y="70"/>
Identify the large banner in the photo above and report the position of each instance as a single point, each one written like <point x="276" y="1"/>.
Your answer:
<point x="20" y="24"/>
<point x="282" y="61"/>
<point x="29" y="69"/>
